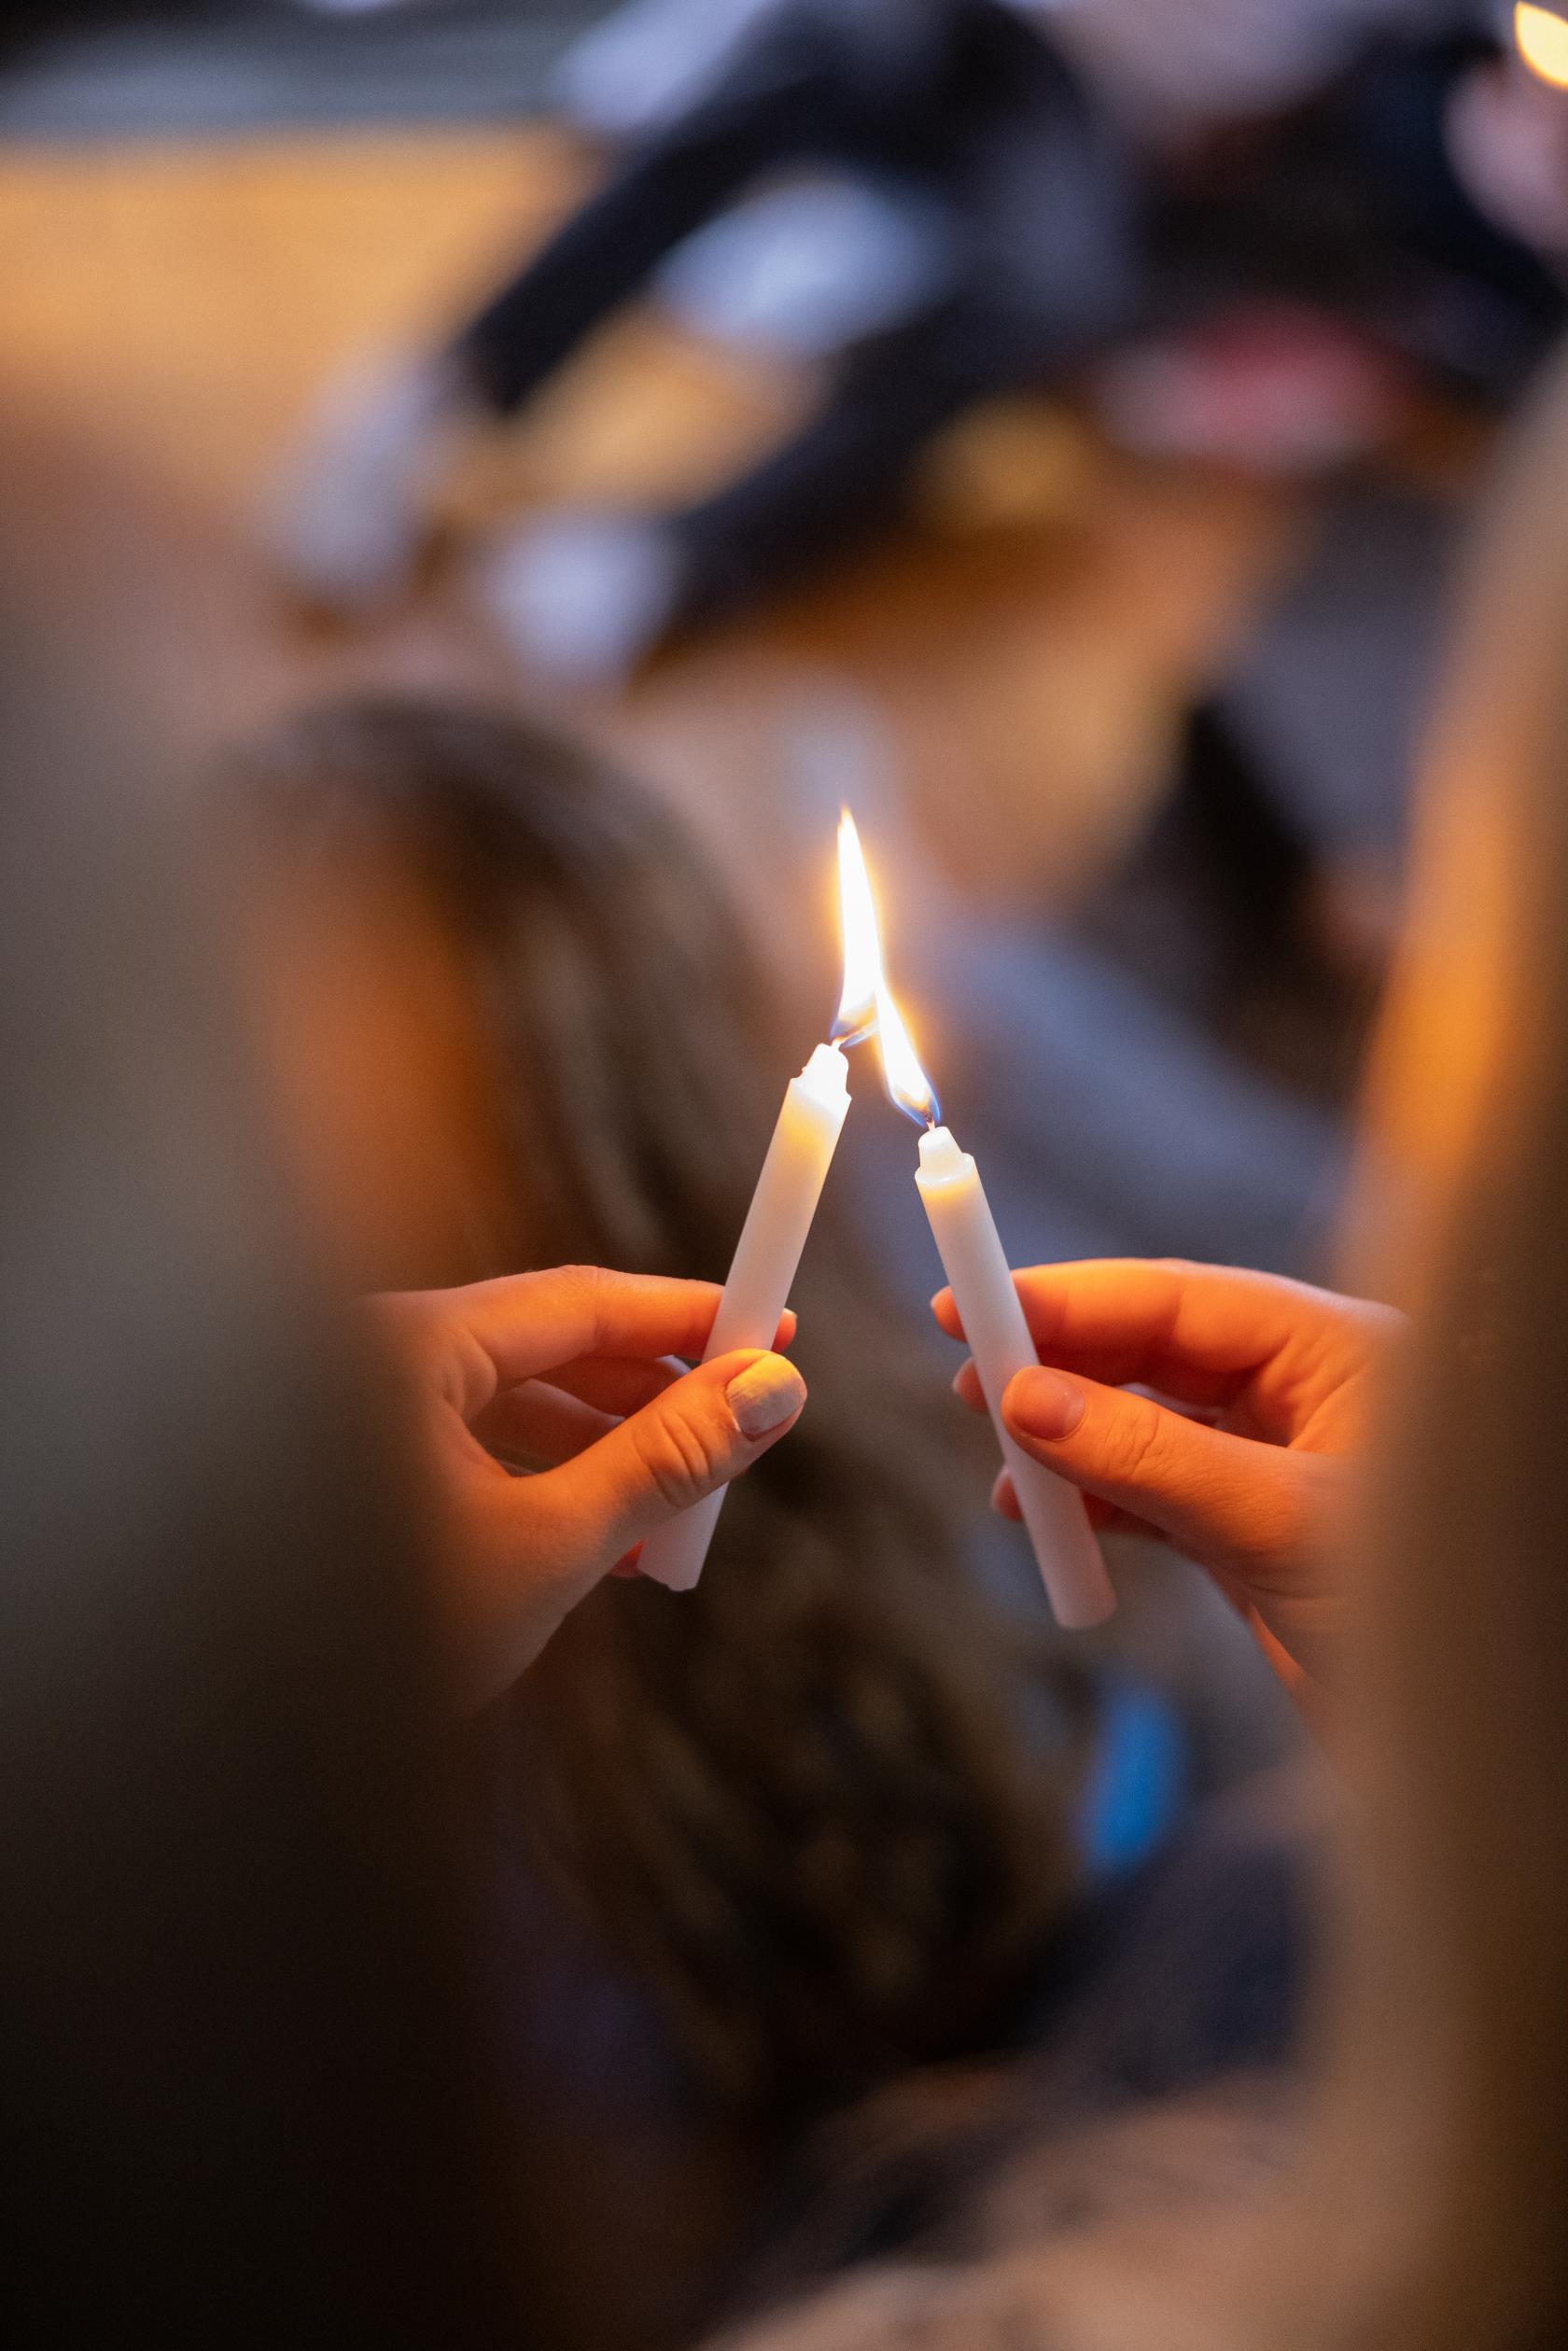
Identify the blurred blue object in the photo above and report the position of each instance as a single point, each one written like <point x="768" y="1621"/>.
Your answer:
<point x="1137" y="1788"/>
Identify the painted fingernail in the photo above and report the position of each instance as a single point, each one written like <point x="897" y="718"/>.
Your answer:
<point x="1043" y="1403"/>
<point x="766" y="1394"/>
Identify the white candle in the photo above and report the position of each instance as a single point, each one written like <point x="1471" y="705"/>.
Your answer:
<point x="767" y="1253"/>
<point x="1071" y="1566"/>
<point x="989" y="1309"/>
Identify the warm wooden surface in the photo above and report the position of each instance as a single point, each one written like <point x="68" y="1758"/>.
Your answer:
<point x="1024" y="639"/>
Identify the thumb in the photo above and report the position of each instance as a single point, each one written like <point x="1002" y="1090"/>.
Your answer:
<point x="1230" y="1503"/>
<point x="703" y="1430"/>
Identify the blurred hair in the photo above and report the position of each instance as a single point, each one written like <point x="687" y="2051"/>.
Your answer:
<point x="1441" y="2171"/>
<point x="805" y="1800"/>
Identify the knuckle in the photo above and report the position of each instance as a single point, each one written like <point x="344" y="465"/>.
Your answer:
<point x="682" y="1458"/>
<point x="1137" y="1444"/>
<point x="1294" y="1511"/>
<point x="584" y="1285"/>
<point x="585" y="1278"/>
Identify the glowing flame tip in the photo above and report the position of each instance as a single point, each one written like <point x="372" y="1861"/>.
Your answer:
<point x="909" y="1089"/>
<point x="866" y="1008"/>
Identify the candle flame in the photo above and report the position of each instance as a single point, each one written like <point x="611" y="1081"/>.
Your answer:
<point x="862" y="946"/>
<point x="1541" y="37"/>
<point x="866" y="1007"/>
<point x="908" y="1088"/>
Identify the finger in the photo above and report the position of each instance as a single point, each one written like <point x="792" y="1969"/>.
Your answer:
<point x="1227" y="1501"/>
<point x="618" y="1383"/>
<point x="492" y="1334"/>
<point x="532" y="1547"/>
<point x="624" y="1383"/>
<point x="1196" y="1332"/>
<point x="702" y="1431"/>
<point x="967" y="1388"/>
<point x="468" y="1344"/>
<point x="536" y="1425"/>
<point x="1101" y="1515"/>
<point x="1004" y="1497"/>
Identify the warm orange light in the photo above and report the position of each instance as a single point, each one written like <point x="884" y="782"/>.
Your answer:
<point x="866" y="1006"/>
<point x="1541" y="37"/>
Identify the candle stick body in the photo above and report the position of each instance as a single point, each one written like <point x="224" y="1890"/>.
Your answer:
<point x="988" y="1306"/>
<point x="767" y="1253"/>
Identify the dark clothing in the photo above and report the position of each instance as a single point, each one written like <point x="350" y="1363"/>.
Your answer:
<point x="1171" y="1979"/>
<point x="1350" y="204"/>
<point x="1054" y="241"/>
<point x="955" y="98"/>
<point x="1187" y="1975"/>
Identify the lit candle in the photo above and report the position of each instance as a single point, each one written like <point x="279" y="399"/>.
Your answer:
<point x="989" y="1309"/>
<point x="773" y="1237"/>
<point x="970" y="1250"/>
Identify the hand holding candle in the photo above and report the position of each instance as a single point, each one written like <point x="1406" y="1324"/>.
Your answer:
<point x="1071" y="1565"/>
<point x="767" y="1253"/>
<point x="948" y="1182"/>
<point x="775" y="1232"/>
<point x="779" y="1219"/>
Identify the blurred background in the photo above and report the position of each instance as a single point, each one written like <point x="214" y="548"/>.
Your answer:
<point x="1049" y="435"/>
<point x="1048" y="427"/>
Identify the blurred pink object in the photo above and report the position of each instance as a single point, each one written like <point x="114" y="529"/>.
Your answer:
<point x="1281" y="390"/>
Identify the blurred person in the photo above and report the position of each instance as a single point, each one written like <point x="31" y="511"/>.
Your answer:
<point x="995" y="191"/>
<point x="826" y="1816"/>
<point x="924" y="279"/>
<point x="242" y="1545"/>
<point x="1378" y="1494"/>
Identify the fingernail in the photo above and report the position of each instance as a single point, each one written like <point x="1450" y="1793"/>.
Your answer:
<point x="1043" y="1403"/>
<point x="764" y="1394"/>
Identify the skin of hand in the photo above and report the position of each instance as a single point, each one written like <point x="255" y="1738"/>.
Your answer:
<point x="1245" y="1467"/>
<point x="574" y="1374"/>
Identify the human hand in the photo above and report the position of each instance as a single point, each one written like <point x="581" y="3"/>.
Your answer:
<point x="1274" y="1378"/>
<point x="571" y="1372"/>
